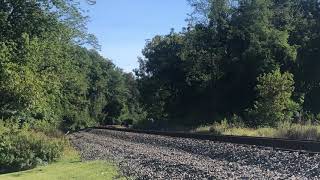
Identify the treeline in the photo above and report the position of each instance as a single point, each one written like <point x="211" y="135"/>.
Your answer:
<point x="254" y="61"/>
<point x="47" y="75"/>
<point x="50" y="83"/>
<point x="250" y="61"/>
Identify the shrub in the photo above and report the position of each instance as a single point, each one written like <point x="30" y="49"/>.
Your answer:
<point x="23" y="148"/>
<point x="274" y="103"/>
<point x="152" y="124"/>
<point x="48" y="128"/>
<point x="223" y="127"/>
<point x="236" y="121"/>
<point x="75" y="120"/>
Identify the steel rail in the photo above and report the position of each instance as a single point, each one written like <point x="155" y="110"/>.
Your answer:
<point x="302" y="146"/>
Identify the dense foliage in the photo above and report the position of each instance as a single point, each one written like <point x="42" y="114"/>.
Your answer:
<point x="23" y="148"/>
<point x="45" y="74"/>
<point x="253" y="62"/>
<point x="49" y="82"/>
<point x="274" y="102"/>
<point x="257" y="59"/>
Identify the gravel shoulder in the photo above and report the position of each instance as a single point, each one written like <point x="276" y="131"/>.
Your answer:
<point x="145" y="156"/>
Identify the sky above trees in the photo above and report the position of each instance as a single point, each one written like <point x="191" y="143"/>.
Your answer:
<point x="123" y="26"/>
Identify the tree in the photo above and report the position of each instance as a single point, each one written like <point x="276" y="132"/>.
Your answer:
<point x="39" y="17"/>
<point x="225" y="48"/>
<point x="161" y="76"/>
<point x="306" y="36"/>
<point x="45" y="74"/>
<point x="274" y="103"/>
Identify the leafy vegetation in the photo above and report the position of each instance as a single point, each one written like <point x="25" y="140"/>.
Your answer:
<point x="254" y="63"/>
<point x="46" y="76"/>
<point x="256" y="59"/>
<point x="23" y="148"/>
<point x="50" y="83"/>
<point x="274" y="102"/>
<point x="286" y="129"/>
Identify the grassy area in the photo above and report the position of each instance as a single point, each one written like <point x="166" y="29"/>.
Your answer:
<point x="283" y="130"/>
<point x="69" y="167"/>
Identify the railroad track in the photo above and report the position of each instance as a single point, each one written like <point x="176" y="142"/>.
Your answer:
<point x="302" y="146"/>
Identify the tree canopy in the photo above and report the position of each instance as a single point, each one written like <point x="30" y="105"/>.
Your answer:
<point x="214" y="67"/>
<point x="229" y="60"/>
<point x="46" y="74"/>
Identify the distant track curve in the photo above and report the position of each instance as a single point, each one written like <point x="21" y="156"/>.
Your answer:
<point x="303" y="146"/>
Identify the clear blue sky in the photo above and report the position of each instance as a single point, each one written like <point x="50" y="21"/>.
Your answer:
<point x="122" y="26"/>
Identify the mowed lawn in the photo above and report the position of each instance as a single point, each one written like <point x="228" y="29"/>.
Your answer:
<point x="69" y="167"/>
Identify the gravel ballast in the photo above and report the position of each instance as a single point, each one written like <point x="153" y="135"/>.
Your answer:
<point x="145" y="156"/>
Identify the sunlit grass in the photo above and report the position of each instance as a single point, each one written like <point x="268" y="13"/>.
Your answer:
<point x="283" y="130"/>
<point x="69" y="167"/>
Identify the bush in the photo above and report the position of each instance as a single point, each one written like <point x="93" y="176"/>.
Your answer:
<point x="152" y="124"/>
<point x="50" y="129"/>
<point x="75" y="120"/>
<point x="23" y="148"/>
<point x="274" y="103"/>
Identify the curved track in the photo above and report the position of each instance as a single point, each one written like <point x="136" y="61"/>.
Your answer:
<point x="305" y="146"/>
<point x="149" y="156"/>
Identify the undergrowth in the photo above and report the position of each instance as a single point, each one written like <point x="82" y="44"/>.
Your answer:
<point x="306" y="131"/>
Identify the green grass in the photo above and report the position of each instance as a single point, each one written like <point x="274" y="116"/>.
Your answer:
<point x="305" y="131"/>
<point x="69" y="167"/>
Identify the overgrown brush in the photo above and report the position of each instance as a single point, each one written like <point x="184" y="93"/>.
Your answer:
<point x="307" y="131"/>
<point x="23" y="148"/>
